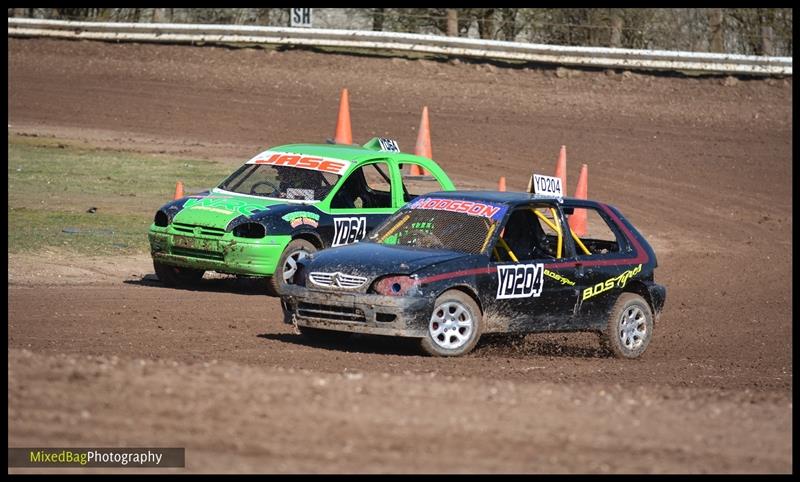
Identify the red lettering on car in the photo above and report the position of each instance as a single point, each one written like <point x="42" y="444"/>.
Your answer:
<point x="300" y="161"/>
<point x="271" y="160"/>
<point x="476" y="209"/>
<point x="288" y="160"/>
<point x="490" y="211"/>
<point x="458" y="206"/>
<point x="309" y="162"/>
<point x="465" y="206"/>
<point x="331" y="166"/>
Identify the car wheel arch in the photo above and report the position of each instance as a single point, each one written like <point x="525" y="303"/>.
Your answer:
<point x="467" y="290"/>
<point x="311" y="237"/>
<point x="639" y="288"/>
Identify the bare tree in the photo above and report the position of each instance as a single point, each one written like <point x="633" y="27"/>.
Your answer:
<point x="754" y="31"/>
<point x="452" y="22"/>
<point x="616" y="28"/>
<point x="766" y="20"/>
<point x="509" y="23"/>
<point x="716" y="30"/>
<point x="262" y="16"/>
<point x="486" y="23"/>
<point x="160" y="15"/>
<point x="377" y="18"/>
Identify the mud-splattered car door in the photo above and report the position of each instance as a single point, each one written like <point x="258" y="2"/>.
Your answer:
<point x="532" y="280"/>
<point x="362" y="201"/>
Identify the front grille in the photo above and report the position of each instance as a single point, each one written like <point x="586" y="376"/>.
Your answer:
<point x="329" y="312"/>
<point x="204" y="230"/>
<point x="198" y="253"/>
<point x="337" y="280"/>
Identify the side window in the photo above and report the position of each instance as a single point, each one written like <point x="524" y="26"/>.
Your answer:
<point x="377" y="178"/>
<point x="416" y="183"/>
<point x="531" y="233"/>
<point x="595" y="237"/>
<point x="368" y="187"/>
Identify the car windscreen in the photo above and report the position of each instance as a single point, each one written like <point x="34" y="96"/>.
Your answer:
<point x="281" y="182"/>
<point x="451" y="224"/>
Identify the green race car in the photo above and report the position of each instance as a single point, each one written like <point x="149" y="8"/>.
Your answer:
<point x="283" y="204"/>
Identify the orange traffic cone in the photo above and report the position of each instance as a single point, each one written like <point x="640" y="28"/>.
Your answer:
<point x="423" y="147"/>
<point x="578" y="219"/>
<point x="343" y="133"/>
<point x="501" y="185"/>
<point x="178" y="190"/>
<point x="561" y="167"/>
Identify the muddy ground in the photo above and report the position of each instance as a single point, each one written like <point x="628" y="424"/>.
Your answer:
<point x="100" y="353"/>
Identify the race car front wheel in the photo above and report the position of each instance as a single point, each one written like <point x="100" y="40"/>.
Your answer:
<point x="455" y="325"/>
<point x="629" y="328"/>
<point x="173" y="276"/>
<point x="296" y="250"/>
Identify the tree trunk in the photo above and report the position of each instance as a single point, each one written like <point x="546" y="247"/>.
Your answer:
<point x="452" y="22"/>
<point x="616" y="28"/>
<point x="486" y="23"/>
<point x="377" y="19"/>
<point x="767" y="40"/>
<point x="591" y="33"/>
<point x="262" y="17"/>
<point x="715" y="30"/>
<point x="509" y="27"/>
<point x="159" y="15"/>
<point x="765" y="21"/>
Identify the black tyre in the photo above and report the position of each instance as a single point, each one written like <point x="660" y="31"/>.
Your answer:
<point x="455" y="325"/>
<point x="287" y="265"/>
<point x="629" y="328"/>
<point x="173" y="276"/>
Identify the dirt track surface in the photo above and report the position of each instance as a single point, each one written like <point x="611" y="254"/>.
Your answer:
<point x="704" y="169"/>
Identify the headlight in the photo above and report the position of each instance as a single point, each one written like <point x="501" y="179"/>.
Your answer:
<point x="250" y="230"/>
<point x="394" y="285"/>
<point x="161" y="219"/>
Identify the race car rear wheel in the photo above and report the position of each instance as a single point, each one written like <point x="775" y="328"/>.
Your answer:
<point x="455" y="325"/>
<point x="173" y="276"/>
<point x="297" y="249"/>
<point x="629" y="327"/>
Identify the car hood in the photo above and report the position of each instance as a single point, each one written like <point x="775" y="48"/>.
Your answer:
<point x="372" y="260"/>
<point x="218" y="208"/>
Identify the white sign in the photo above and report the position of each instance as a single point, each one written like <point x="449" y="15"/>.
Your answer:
<point x="519" y="280"/>
<point x="547" y="186"/>
<point x="300" y="17"/>
<point x="388" y="145"/>
<point x="348" y="230"/>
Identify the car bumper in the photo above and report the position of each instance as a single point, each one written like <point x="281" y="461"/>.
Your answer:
<point x="223" y="255"/>
<point x="358" y="313"/>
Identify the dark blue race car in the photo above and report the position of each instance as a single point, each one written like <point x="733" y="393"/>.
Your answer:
<point x="451" y="266"/>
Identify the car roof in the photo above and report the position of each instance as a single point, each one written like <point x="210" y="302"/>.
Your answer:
<point x="353" y="153"/>
<point x="511" y="198"/>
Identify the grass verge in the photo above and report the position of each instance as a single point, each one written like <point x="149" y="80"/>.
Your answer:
<point x="52" y="184"/>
